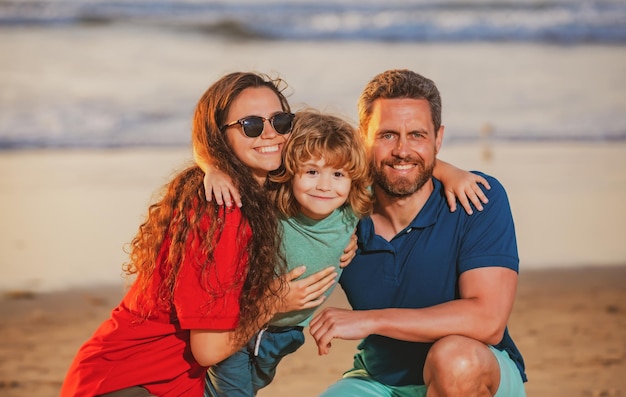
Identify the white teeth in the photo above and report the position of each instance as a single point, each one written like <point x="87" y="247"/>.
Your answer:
<point x="403" y="166"/>
<point x="268" y="149"/>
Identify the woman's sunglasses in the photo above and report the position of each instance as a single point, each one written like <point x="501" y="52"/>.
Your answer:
<point x="253" y="125"/>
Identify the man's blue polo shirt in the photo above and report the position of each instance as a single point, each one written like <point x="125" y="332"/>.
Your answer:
<point x="420" y="267"/>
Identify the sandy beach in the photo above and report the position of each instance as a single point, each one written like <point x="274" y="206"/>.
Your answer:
<point x="570" y="324"/>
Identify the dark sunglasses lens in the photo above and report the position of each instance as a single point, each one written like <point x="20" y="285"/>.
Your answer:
<point x="282" y="123"/>
<point x="252" y="126"/>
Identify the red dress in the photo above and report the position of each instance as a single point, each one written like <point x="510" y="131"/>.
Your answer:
<point x="127" y="350"/>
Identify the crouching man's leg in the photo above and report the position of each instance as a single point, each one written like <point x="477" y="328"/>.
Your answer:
<point x="460" y="366"/>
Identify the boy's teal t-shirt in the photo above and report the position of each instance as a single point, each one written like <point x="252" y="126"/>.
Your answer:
<point x="315" y="244"/>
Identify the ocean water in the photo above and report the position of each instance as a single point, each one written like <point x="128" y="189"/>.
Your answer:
<point x="102" y="74"/>
<point x="560" y="21"/>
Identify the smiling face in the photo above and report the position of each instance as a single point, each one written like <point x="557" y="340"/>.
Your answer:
<point x="263" y="153"/>
<point x="403" y="145"/>
<point x="319" y="188"/>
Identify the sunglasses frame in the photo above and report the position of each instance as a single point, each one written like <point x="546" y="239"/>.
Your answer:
<point x="263" y="120"/>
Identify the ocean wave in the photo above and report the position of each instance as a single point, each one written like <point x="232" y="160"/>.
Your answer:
<point x="92" y="124"/>
<point x="571" y="21"/>
<point x="104" y="128"/>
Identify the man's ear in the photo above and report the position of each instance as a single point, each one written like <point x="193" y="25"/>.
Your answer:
<point x="439" y="139"/>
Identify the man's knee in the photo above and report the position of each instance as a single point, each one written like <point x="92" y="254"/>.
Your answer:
<point x="463" y="362"/>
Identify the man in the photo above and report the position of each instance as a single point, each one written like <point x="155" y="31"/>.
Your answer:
<point x="432" y="290"/>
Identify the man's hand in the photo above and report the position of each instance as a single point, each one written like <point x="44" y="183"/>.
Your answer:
<point x="333" y="323"/>
<point x="349" y="252"/>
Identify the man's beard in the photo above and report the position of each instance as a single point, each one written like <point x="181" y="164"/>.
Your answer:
<point x="402" y="186"/>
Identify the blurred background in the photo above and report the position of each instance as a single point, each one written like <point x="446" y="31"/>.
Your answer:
<point x="96" y="99"/>
<point x="100" y="74"/>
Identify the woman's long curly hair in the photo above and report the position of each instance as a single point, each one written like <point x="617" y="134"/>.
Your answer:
<point x="183" y="205"/>
<point x="316" y="135"/>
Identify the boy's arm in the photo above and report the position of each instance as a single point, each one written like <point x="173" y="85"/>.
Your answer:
<point x="217" y="183"/>
<point x="462" y="185"/>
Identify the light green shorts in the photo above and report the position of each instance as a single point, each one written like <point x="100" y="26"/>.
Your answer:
<point x="357" y="383"/>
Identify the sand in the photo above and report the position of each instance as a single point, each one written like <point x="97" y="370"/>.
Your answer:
<point x="570" y="324"/>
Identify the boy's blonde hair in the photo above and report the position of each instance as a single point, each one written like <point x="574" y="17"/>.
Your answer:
<point x="315" y="136"/>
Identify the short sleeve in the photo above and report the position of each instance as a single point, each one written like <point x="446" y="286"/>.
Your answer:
<point x="489" y="239"/>
<point x="212" y="301"/>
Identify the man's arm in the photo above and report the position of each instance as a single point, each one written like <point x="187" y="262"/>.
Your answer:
<point x="482" y="312"/>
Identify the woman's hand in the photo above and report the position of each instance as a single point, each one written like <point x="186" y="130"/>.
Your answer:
<point x="307" y="292"/>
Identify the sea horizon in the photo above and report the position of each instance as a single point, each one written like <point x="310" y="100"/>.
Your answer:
<point x="107" y="74"/>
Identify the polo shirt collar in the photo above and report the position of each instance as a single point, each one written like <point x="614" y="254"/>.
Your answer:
<point x="426" y="217"/>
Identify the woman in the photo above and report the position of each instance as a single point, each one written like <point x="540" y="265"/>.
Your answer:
<point x="206" y="276"/>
